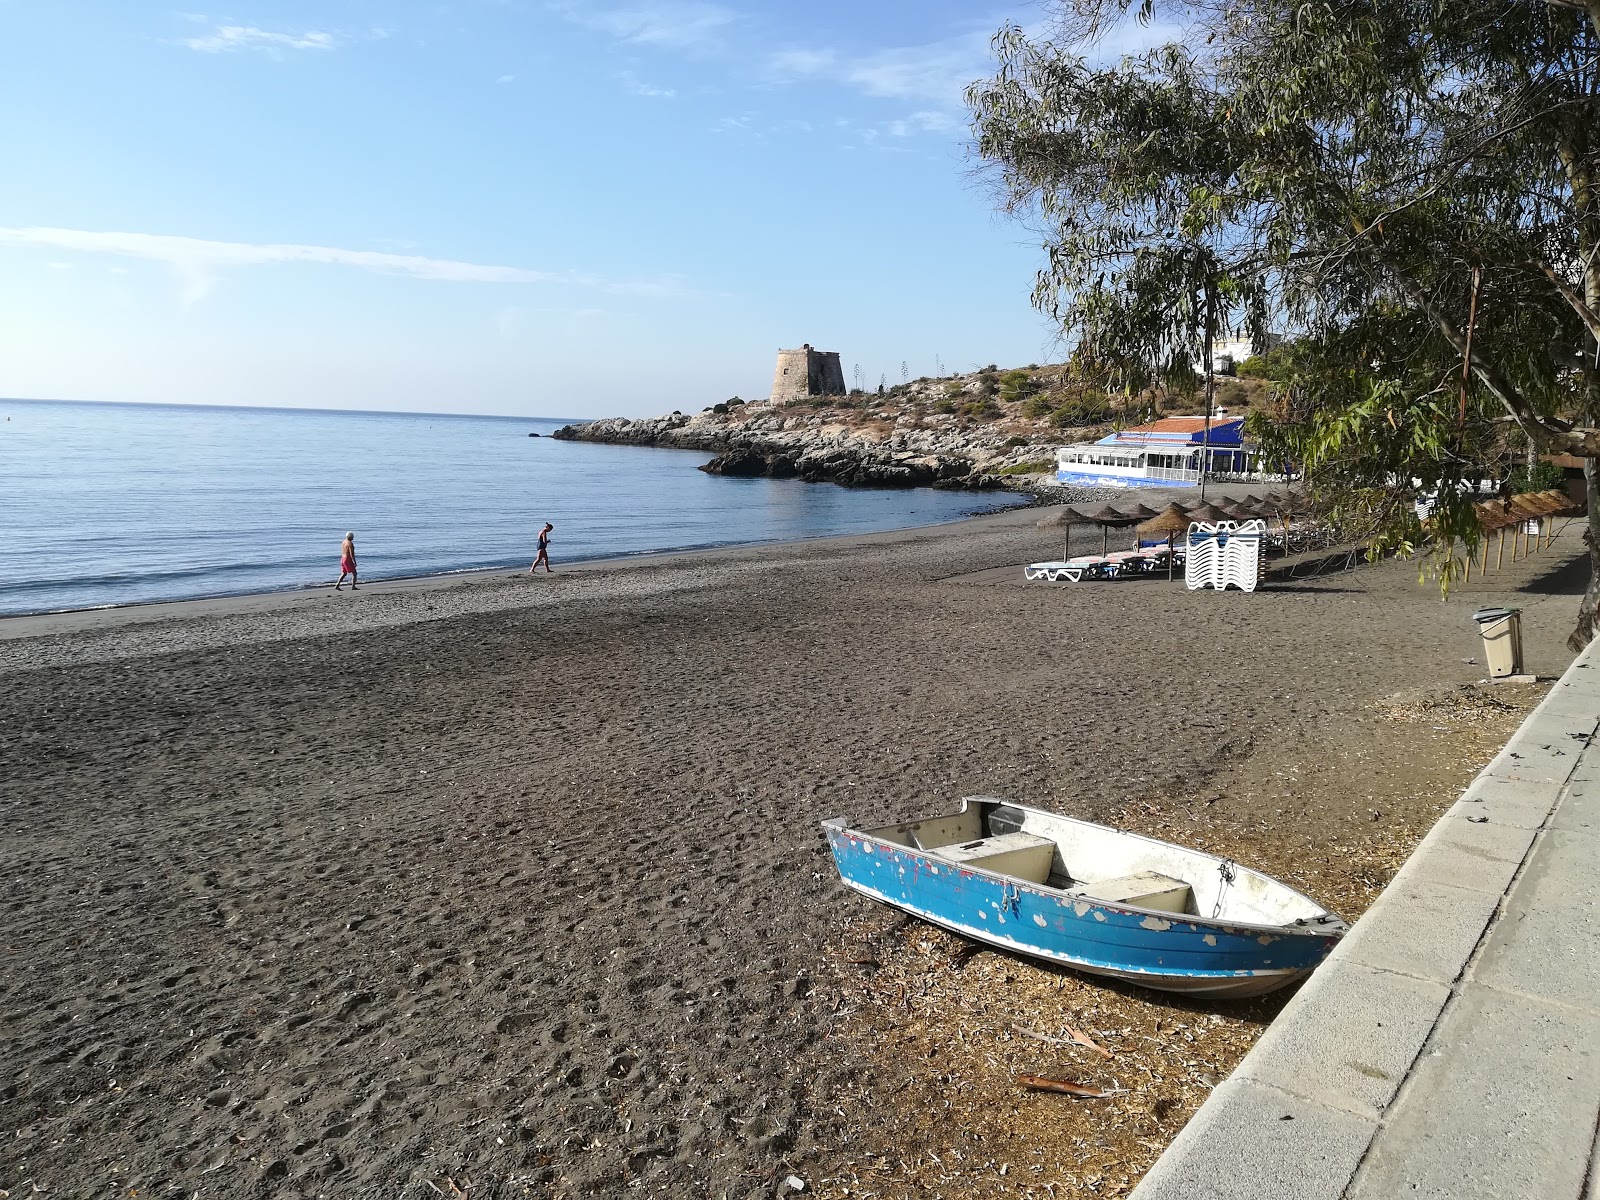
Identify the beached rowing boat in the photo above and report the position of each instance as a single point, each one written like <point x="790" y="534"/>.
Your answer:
<point x="1091" y="897"/>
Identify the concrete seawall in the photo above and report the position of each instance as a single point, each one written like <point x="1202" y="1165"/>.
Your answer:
<point x="1450" y="1046"/>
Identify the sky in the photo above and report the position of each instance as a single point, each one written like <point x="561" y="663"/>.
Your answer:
<point x="529" y="207"/>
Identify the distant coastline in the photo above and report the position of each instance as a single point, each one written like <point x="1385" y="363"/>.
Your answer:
<point x="988" y="429"/>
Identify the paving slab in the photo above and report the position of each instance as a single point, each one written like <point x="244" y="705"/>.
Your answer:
<point x="1580" y="810"/>
<point x="1348" y="1037"/>
<point x="1576" y="702"/>
<point x="1549" y="759"/>
<point x="1278" y="1145"/>
<point x="1501" y="1106"/>
<point x="1508" y="802"/>
<point x="1420" y="928"/>
<point x="1547" y="943"/>
<point x="1461" y="852"/>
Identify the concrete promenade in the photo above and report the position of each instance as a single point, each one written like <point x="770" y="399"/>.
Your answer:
<point x="1450" y="1046"/>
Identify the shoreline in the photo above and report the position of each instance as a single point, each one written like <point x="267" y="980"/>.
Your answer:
<point x="67" y="620"/>
<point x="18" y="626"/>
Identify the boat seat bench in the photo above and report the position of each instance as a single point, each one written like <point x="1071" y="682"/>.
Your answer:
<point x="1021" y="855"/>
<point x="1146" y="889"/>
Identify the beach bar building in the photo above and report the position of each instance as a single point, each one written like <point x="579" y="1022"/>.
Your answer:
<point x="1171" y="452"/>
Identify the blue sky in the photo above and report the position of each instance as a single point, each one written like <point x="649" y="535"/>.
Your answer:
<point x="556" y="207"/>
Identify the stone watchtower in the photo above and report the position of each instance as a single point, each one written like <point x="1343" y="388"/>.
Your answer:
<point x="807" y="372"/>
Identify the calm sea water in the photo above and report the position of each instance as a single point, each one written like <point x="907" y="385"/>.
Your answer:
<point x="104" y="504"/>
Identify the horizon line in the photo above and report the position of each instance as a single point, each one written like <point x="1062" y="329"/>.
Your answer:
<point x="383" y="412"/>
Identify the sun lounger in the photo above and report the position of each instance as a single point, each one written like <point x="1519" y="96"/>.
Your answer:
<point x="1091" y="566"/>
<point x="1043" y="570"/>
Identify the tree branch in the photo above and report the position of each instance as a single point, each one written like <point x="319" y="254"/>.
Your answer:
<point x="1591" y="319"/>
<point x="1547" y="433"/>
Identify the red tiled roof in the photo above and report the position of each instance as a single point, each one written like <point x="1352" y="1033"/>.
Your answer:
<point x="1179" y="425"/>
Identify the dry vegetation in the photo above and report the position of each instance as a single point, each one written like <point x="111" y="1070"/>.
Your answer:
<point x="1033" y="403"/>
<point x="952" y="1027"/>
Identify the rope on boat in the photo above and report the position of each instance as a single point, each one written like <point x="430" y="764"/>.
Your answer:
<point x="1225" y="869"/>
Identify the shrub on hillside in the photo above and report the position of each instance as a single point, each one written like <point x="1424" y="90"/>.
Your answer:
<point x="1015" y="385"/>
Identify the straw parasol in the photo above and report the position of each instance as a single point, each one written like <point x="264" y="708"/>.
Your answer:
<point x="1208" y="513"/>
<point x="1551" y="501"/>
<point x="1106" y="517"/>
<point x="1168" y="523"/>
<point x="1285" y="504"/>
<point x="1137" y="514"/>
<point x="1567" y="504"/>
<point x="1063" y="518"/>
<point x="1493" y="514"/>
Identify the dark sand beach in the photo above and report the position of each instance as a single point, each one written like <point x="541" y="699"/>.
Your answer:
<point x="514" y="887"/>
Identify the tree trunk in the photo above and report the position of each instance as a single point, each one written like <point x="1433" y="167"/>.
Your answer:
<point x="1589" y="610"/>
<point x="1211" y="391"/>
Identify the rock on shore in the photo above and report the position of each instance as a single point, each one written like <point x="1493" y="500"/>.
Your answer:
<point x="790" y="444"/>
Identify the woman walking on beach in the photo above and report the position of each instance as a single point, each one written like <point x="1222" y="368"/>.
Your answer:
<point x="544" y="551"/>
<point x="347" y="562"/>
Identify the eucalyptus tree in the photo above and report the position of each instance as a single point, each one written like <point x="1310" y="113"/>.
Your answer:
<point x="1410" y="186"/>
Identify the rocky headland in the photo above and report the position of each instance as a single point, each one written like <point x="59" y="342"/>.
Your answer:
<point x="987" y="429"/>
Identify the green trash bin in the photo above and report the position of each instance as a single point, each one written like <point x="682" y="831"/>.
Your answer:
<point x="1501" y="629"/>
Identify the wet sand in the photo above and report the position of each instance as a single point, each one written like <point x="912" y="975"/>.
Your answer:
<point x="514" y="887"/>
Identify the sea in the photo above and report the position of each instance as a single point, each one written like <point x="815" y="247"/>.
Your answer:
<point x="113" y="504"/>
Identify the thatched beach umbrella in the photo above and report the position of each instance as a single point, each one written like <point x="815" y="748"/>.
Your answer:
<point x="1136" y="514"/>
<point x="1208" y="514"/>
<point x="1287" y="504"/>
<point x="1168" y="523"/>
<point x="1536" y="507"/>
<point x="1106" y="517"/>
<point x="1546" y="506"/>
<point x="1284" y="505"/>
<point x="1494" y="517"/>
<point x="1568" y="506"/>
<point x="1063" y="518"/>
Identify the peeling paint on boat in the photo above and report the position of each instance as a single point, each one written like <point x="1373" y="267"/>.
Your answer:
<point x="1185" y="952"/>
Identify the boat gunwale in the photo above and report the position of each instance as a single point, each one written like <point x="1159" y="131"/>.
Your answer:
<point x="1337" y="927"/>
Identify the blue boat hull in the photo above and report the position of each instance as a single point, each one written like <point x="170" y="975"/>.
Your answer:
<point x="1166" y="951"/>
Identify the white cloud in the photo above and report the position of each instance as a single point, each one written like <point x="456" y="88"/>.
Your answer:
<point x="506" y="79"/>
<point x="935" y="71"/>
<point x="936" y="74"/>
<point x="223" y="39"/>
<point x="196" y="260"/>
<point x="638" y="87"/>
<point x="926" y="121"/>
<point x="671" y="24"/>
